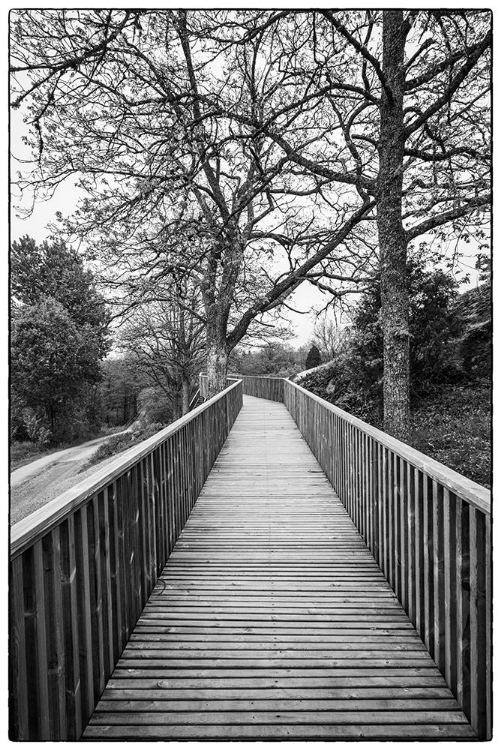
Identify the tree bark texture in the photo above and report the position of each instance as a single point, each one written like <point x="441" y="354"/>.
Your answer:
<point x="185" y="396"/>
<point x="392" y="241"/>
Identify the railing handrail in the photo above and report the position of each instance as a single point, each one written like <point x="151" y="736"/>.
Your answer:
<point x="474" y="493"/>
<point x="37" y="524"/>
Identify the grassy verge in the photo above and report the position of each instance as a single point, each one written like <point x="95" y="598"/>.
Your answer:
<point x="22" y="453"/>
<point x="118" y="443"/>
<point x="453" y="426"/>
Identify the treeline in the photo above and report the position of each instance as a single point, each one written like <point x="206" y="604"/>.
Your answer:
<point x="59" y="335"/>
<point x="450" y="375"/>
<point x="450" y="344"/>
<point x="66" y="387"/>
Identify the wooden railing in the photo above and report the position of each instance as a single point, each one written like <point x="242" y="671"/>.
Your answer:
<point x="429" y="529"/>
<point x="260" y="386"/>
<point x="82" y="568"/>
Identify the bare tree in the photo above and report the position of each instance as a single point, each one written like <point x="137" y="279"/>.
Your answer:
<point x="168" y="343"/>
<point x="212" y="142"/>
<point x="178" y="183"/>
<point x="403" y="117"/>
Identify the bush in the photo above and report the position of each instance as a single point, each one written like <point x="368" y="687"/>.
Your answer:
<point x="118" y="443"/>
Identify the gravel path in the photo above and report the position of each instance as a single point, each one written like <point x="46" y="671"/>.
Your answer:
<point x="50" y="480"/>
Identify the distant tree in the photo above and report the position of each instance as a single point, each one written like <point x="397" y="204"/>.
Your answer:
<point x="168" y="342"/>
<point x="313" y="358"/>
<point x="120" y="388"/>
<point x="271" y="358"/>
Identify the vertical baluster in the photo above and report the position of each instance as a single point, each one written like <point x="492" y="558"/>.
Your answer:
<point x="450" y="576"/>
<point x="70" y="629"/>
<point x="419" y="568"/>
<point x="96" y="599"/>
<point x="479" y="675"/>
<point x="438" y="576"/>
<point x="82" y="555"/>
<point x="396" y="518"/>
<point x="115" y="573"/>
<point x="18" y="703"/>
<point x="463" y="605"/>
<point x="411" y="542"/>
<point x="39" y="658"/>
<point x="55" y="635"/>
<point x="106" y="582"/>
<point x="402" y="531"/>
<point x="390" y="520"/>
<point x="428" y="564"/>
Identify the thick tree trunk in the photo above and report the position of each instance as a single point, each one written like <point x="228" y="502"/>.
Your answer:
<point x="217" y="367"/>
<point x="185" y="396"/>
<point x="392" y="242"/>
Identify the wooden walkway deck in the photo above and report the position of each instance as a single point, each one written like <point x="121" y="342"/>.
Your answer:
<point x="271" y="619"/>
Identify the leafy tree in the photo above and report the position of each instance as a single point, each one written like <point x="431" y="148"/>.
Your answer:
<point x="55" y="270"/>
<point x="52" y="359"/>
<point x="313" y="358"/>
<point x="271" y="358"/>
<point x="433" y="329"/>
<point x="120" y="388"/>
<point x="59" y="337"/>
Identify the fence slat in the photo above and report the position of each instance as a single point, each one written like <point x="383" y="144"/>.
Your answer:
<point x="429" y="531"/>
<point x="83" y="566"/>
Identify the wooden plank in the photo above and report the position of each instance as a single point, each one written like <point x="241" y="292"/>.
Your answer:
<point x="70" y="630"/>
<point x="37" y="524"/>
<point x="281" y="732"/>
<point x="86" y="563"/>
<point x="18" y="668"/>
<point x="40" y="655"/>
<point x="82" y="554"/>
<point x="271" y="612"/>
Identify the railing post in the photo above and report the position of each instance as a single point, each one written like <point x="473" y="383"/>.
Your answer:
<point x="429" y="530"/>
<point x="83" y="566"/>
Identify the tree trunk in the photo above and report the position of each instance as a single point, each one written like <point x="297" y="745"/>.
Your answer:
<point x="217" y="312"/>
<point x="392" y="242"/>
<point x="217" y="366"/>
<point x="185" y="396"/>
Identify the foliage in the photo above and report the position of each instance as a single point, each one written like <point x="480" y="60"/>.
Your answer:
<point x="119" y="389"/>
<point x="273" y="358"/>
<point x="432" y="327"/>
<point x="313" y="358"/>
<point x="118" y="443"/>
<point x="450" y="418"/>
<point x="155" y="406"/>
<point x="52" y="359"/>
<point x="59" y="336"/>
<point x="55" y="270"/>
<point x="474" y="343"/>
<point x="453" y="425"/>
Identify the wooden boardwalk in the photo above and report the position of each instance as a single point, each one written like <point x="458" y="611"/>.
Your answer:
<point x="271" y="619"/>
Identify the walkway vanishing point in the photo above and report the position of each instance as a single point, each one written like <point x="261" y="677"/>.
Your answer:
<point x="271" y="618"/>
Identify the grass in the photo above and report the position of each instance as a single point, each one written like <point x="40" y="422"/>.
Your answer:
<point x="22" y="453"/>
<point x="118" y="443"/>
<point x="453" y="426"/>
